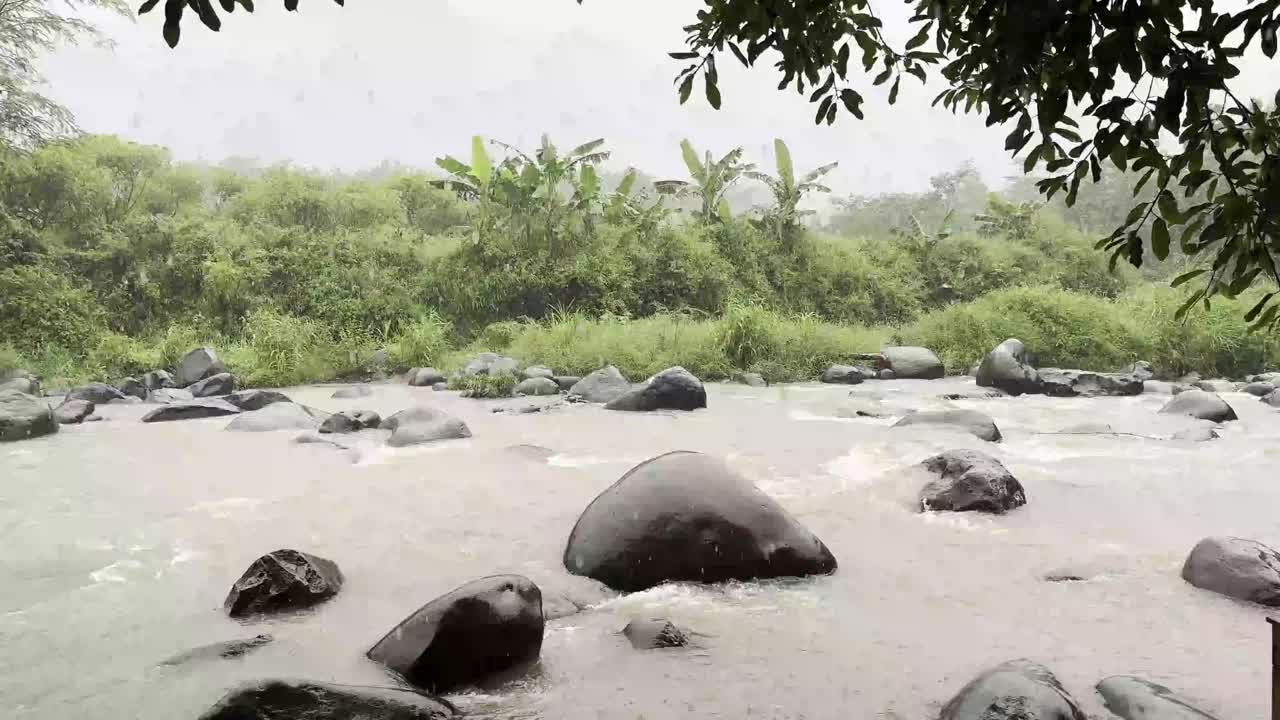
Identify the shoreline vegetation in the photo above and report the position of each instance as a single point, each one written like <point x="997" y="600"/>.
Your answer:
<point x="116" y="261"/>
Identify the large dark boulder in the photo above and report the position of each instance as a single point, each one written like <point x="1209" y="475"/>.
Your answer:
<point x="672" y="389"/>
<point x="1016" y="690"/>
<point x="278" y="416"/>
<point x="220" y="384"/>
<point x="968" y="480"/>
<point x="283" y="580"/>
<point x="1133" y="698"/>
<point x="96" y="393"/>
<point x="687" y="516"/>
<point x="486" y="629"/>
<point x="297" y="700"/>
<point x="1235" y="567"/>
<point x="24" y="416"/>
<point x="170" y="395"/>
<point x="132" y="387"/>
<point x="157" y="380"/>
<point x="654" y="633"/>
<point x="1200" y="404"/>
<point x="220" y="650"/>
<point x="913" y="363"/>
<point x="846" y="375"/>
<point x="488" y="363"/>
<point x="537" y="386"/>
<point x="73" y="412"/>
<point x="1006" y="368"/>
<point x="600" y="386"/>
<point x="250" y="400"/>
<point x="197" y="365"/>
<point x="425" y="377"/>
<point x="978" y="424"/>
<point x="418" y="425"/>
<point x="346" y="422"/>
<point x="1082" y="383"/>
<point x="192" y="410"/>
<point x="355" y="391"/>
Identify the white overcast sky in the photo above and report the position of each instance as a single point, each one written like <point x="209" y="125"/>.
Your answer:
<point x="409" y="80"/>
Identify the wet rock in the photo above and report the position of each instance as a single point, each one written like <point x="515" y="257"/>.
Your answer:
<point x="654" y="633"/>
<point x="278" y="416"/>
<point x="887" y="374"/>
<point x="1140" y="369"/>
<point x="73" y="412"/>
<point x="913" y="363"/>
<point x="157" y="380"/>
<point x="970" y="481"/>
<point x="486" y="629"/>
<point x="419" y="425"/>
<point x="440" y="386"/>
<point x="672" y="389"/>
<point x="1082" y="383"/>
<point x="1272" y="399"/>
<point x="24" y="416"/>
<point x="978" y="424"/>
<point x="220" y="384"/>
<point x="1200" y="404"/>
<point x="249" y="400"/>
<point x="1235" y="567"/>
<point x="132" y="387"/>
<point x="192" y="410"/>
<point x="537" y="386"/>
<point x="488" y="363"/>
<point x="1268" y="377"/>
<point x="846" y="375"/>
<point x="537" y="371"/>
<point x="94" y="418"/>
<point x="25" y="385"/>
<point x="344" y="422"/>
<point x="1197" y="434"/>
<point x="1016" y="690"/>
<point x="355" y="391"/>
<point x="1133" y="698"/>
<point x="425" y="377"/>
<point x="298" y="700"/>
<point x="979" y="395"/>
<point x="687" y="516"/>
<point x="283" y="580"/>
<point x="600" y="386"/>
<point x="566" y="381"/>
<point x="222" y="650"/>
<point x="1216" y="386"/>
<point x="96" y="393"/>
<point x="1259" y="389"/>
<point x="197" y="365"/>
<point x="169" y="395"/>
<point x="1060" y="578"/>
<point x="752" y="379"/>
<point x="1006" y="368"/>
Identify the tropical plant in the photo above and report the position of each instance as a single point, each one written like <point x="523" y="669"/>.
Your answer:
<point x="1010" y="219"/>
<point x="783" y="219"/>
<point x="711" y="180"/>
<point x="476" y="182"/>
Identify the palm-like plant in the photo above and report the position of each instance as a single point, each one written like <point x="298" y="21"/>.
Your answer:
<point x="784" y="217"/>
<point x="711" y="180"/>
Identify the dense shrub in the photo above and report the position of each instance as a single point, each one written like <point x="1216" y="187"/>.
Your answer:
<point x="44" y="308"/>
<point x="420" y="343"/>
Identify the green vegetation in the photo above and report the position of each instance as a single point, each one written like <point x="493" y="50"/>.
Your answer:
<point x="500" y="385"/>
<point x="116" y="260"/>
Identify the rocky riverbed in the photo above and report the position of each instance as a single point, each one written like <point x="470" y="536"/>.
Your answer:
<point x="123" y="539"/>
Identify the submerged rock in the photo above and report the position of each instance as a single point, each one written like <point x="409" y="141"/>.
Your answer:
<point x="220" y="384"/>
<point x="886" y="374"/>
<point x="221" y="650"/>
<point x="537" y="385"/>
<point x="157" y="380"/>
<point x="1268" y="377"/>
<point x="489" y="627"/>
<point x="556" y="606"/>
<point x="440" y="386"/>
<point x="278" y="416"/>
<point x="1006" y="368"/>
<point x="355" y="391"/>
<point x="343" y="422"/>
<point x="488" y="363"/>
<point x="654" y="633"/>
<point x="1133" y="698"/>
<point x="687" y="516"/>
<point x="975" y="423"/>
<point x="1235" y="567"/>
<point x="1159" y="387"/>
<point x="1200" y="404"/>
<point x="1196" y="434"/>
<point x="913" y="363"/>
<point x="846" y="375"/>
<point x="969" y="480"/>
<point x="298" y="700"/>
<point x="249" y="400"/>
<point x="1082" y="383"/>
<point x="425" y="377"/>
<point x="1016" y="690"/>
<point x="197" y="365"/>
<point x="418" y="425"/>
<point x="192" y="410"/>
<point x="96" y="393"/>
<point x="169" y="395"/>
<point x="672" y="389"/>
<point x="73" y="412"/>
<point x="537" y="371"/>
<point x="1258" y="389"/>
<point x="600" y="386"/>
<point x="752" y="379"/>
<point x="24" y="416"/>
<point x="283" y="580"/>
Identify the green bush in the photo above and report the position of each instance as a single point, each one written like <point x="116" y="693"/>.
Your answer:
<point x="420" y="343"/>
<point x="501" y="385"/>
<point x="116" y="356"/>
<point x="44" y="308"/>
<point x="9" y="359"/>
<point x="1214" y="342"/>
<point x="281" y="350"/>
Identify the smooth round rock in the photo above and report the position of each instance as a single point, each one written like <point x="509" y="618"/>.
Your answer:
<point x="278" y="416"/>
<point x="971" y="421"/>
<point x="1015" y="690"/>
<point x="249" y="400"/>
<point x="96" y="393"/>
<point x="283" y="580"/>
<point x="157" y="380"/>
<point x="488" y="363"/>
<point x="220" y="384"/>
<point x="24" y="416"/>
<point x="970" y="481"/>
<point x="1259" y="389"/>
<point x="600" y="386"/>
<point x="1006" y="368"/>
<point x="197" y="365"/>
<point x="425" y="377"/>
<point x="132" y="387"/>
<point x="355" y="391"/>
<point x="170" y="395"/>
<point x="846" y="375"/>
<point x="913" y="363"/>
<point x="419" y="425"/>
<point x="537" y="371"/>
<point x="1239" y="568"/>
<point x="1133" y="698"/>
<point x="672" y="389"/>
<point x="751" y="379"/>
<point x="1200" y="404"/>
<point x="73" y="412"/>
<point x="193" y="410"/>
<point x="344" y="422"/>
<point x="538" y="385"/>
<point x="566" y="382"/>
<point x="654" y="633"/>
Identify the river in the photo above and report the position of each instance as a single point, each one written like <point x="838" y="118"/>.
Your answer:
<point x="121" y="540"/>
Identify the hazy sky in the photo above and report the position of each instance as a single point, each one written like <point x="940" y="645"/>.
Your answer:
<point x="409" y="80"/>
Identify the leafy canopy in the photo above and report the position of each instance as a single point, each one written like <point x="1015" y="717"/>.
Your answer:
<point x="1141" y="84"/>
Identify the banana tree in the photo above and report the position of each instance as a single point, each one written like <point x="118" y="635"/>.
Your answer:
<point x="711" y="180"/>
<point x="626" y="204"/>
<point x="784" y="217"/>
<point x="478" y="182"/>
<point x="541" y="180"/>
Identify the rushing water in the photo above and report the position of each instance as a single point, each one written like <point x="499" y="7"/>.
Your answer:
<point x="121" y="539"/>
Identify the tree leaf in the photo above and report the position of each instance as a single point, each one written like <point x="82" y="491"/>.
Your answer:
<point x="696" y="169"/>
<point x="782" y="159"/>
<point x="893" y="92"/>
<point x="686" y="88"/>
<point x="852" y="102"/>
<point x="1187" y="277"/>
<point x="713" y="91"/>
<point x="481" y="165"/>
<point x="684" y="55"/>
<point x="1160" y="239"/>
